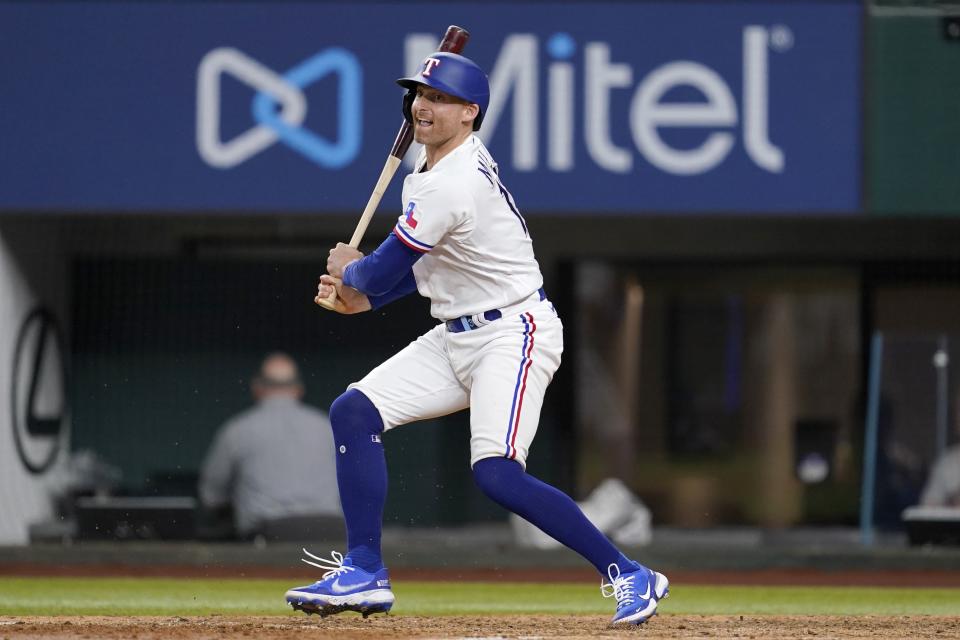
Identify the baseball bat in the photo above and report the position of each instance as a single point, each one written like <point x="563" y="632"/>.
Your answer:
<point x="454" y="40"/>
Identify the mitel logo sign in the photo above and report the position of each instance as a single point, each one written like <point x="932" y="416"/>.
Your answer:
<point x="565" y="101"/>
<point x="286" y="123"/>
<point x="516" y="76"/>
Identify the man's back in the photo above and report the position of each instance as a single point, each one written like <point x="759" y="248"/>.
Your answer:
<point x="273" y="461"/>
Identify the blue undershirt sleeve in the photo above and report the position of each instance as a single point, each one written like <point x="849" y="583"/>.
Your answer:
<point x="406" y="286"/>
<point x="385" y="271"/>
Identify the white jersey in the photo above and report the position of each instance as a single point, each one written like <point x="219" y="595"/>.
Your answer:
<point x="478" y="254"/>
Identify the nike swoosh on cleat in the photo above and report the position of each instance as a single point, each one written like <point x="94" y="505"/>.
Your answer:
<point x="336" y="587"/>
<point x="646" y="594"/>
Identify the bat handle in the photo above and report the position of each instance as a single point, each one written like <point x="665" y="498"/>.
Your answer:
<point x="332" y="303"/>
<point x="389" y="168"/>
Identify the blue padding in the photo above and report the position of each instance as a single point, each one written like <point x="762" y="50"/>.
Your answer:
<point x="352" y="411"/>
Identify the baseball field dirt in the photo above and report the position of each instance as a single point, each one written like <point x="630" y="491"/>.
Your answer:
<point x="353" y="627"/>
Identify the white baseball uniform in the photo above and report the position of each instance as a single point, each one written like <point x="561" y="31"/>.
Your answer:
<point x="478" y="261"/>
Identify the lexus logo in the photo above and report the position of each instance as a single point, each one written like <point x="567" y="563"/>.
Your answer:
<point x="38" y="391"/>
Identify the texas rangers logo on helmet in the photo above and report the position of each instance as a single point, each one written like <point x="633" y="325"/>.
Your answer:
<point x="429" y="64"/>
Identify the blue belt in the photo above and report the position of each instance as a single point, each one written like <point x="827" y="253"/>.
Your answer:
<point x="475" y="321"/>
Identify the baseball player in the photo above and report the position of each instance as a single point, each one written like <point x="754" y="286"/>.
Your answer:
<point x="461" y="242"/>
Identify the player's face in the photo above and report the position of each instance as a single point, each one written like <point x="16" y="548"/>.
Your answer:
<point x="438" y="117"/>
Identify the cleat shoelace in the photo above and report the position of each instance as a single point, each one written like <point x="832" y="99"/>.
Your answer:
<point x="620" y="587"/>
<point x="333" y="566"/>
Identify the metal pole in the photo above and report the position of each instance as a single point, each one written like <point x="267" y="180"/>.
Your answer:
<point x="870" y="441"/>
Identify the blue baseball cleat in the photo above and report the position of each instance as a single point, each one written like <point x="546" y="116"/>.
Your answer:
<point x="344" y="587"/>
<point x="637" y="593"/>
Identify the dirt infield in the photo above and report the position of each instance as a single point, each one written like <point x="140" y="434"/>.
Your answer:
<point x="353" y="627"/>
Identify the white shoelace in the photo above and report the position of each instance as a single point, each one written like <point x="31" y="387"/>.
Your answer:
<point x="619" y="587"/>
<point x="333" y="567"/>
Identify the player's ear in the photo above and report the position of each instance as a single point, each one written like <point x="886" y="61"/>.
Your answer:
<point x="470" y="112"/>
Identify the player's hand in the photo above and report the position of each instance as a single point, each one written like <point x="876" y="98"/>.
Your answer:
<point x="348" y="300"/>
<point x="340" y="256"/>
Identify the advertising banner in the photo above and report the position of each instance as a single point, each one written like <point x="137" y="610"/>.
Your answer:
<point x="269" y="107"/>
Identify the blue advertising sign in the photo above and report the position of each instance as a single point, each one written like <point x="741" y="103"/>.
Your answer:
<point x="266" y="107"/>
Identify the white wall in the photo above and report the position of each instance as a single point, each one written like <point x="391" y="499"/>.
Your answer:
<point x="32" y="274"/>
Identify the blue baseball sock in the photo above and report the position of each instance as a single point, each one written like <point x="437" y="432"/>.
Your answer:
<point x="361" y="475"/>
<point x="506" y="483"/>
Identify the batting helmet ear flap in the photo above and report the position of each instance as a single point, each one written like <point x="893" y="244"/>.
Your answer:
<point x="408" y="105"/>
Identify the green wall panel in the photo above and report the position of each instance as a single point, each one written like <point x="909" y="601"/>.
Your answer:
<point x="913" y="110"/>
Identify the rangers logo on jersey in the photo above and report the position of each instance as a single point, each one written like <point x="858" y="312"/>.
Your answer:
<point x="410" y="210"/>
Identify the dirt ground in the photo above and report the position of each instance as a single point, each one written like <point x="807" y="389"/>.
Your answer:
<point x="353" y="627"/>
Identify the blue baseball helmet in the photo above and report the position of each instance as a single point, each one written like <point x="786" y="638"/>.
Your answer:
<point x="453" y="74"/>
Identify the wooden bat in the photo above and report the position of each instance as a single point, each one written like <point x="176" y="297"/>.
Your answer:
<point x="454" y="40"/>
